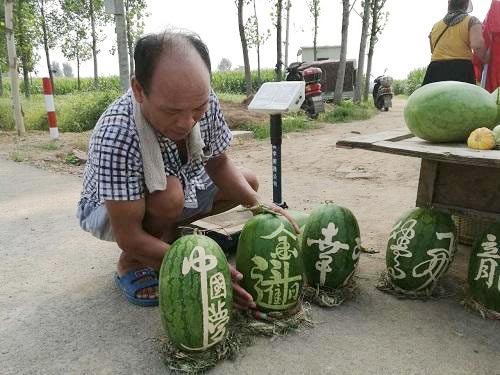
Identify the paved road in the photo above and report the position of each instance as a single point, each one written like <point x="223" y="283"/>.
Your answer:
<point x="61" y="314"/>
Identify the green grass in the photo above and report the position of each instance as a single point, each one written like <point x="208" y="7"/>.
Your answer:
<point x="231" y="98"/>
<point x="75" y="112"/>
<point x="50" y="146"/>
<point x="291" y="123"/>
<point x="347" y="111"/>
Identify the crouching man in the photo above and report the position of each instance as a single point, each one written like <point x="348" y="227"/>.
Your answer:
<point x="157" y="160"/>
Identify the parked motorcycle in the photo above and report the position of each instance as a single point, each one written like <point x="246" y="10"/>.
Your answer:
<point x="313" y="104"/>
<point x="382" y="92"/>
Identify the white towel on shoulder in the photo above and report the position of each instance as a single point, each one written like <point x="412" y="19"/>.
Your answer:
<point x="154" y="169"/>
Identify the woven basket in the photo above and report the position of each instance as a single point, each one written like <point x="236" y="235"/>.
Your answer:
<point x="469" y="228"/>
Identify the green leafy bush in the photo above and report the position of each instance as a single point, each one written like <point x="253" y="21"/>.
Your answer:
<point x="233" y="82"/>
<point x="75" y="112"/>
<point x="414" y="80"/>
<point x="347" y="111"/>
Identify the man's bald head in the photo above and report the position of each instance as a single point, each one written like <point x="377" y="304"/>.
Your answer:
<point x="178" y="45"/>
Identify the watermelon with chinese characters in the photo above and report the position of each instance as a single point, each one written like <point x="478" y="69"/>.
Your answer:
<point x="420" y="250"/>
<point x="269" y="258"/>
<point x="195" y="293"/>
<point x="484" y="269"/>
<point x="331" y="246"/>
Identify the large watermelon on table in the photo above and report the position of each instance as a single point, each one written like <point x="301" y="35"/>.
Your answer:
<point x="449" y="111"/>
<point x="269" y="258"/>
<point x="484" y="269"/>
<point x="420" y="250"/>
<point x="196" y="294"/>
<point x="331" y="246"/>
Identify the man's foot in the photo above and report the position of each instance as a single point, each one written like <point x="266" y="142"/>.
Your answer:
<point x="140" y="286"/>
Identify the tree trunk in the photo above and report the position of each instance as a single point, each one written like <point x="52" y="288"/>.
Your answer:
<point x="362" y="52"/>
<point x="27" y="88"/>
<point x="244" y="46"/>
<point x="130" y="40"/>
<point x="368" y="72"/>
<point x="121" y="37"/>
<point x="287" y="38"/>
<point x="46" y="45"/>
<point x="78" y="70"/>
<point x="258" y="42"/>
<point x="279" y="63"/>
<point x="94" y="41"/>
<point x="339" y="85"/>
<point x="315" y="50"/>
<point x="11" y="51"/>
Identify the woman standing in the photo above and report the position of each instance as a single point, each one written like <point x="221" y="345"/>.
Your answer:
<point x="454" y="40"/>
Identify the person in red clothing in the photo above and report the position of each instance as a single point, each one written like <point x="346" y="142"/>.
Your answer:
<point x="491" y="34"/>
<point x="453" y="41"/>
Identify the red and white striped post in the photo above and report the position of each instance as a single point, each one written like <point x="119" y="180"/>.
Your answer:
<point x="51" y="109"/>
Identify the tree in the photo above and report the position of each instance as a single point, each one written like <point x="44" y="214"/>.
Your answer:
<point x="362" y="51"/>
<point x="11" y="52"/>
<point x="224" y="65"/>
<point x="279" y="63"/>
<point x="287" y="31"/>
<point x="254" y="37"/>
<point x="314" y="9"/>
<point x="135" y="14"/>
<point x="379" y="21"/>
<point x="27" y="35"/>
<point x="339" y="84"/>
<point x="67" y="70"/>
<point x="93" y="15"/>
<point x="56" y="69"/>
<point x="244" y="47"/>
<point x="76" y="43"/>
<point x="48" y="22"/>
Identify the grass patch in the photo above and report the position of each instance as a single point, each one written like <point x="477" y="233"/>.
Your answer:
<point x="231" y="98"/>
<point x="297" y="122"/>
<point x="347" y="111"/>
<point x="75" y="112"/>
<point x="17" y="156"/>
<point x="50" y="146"/>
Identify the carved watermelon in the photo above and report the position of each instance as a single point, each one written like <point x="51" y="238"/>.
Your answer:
<point x="301" y="219"/>
<point x="484" y="269"/>
<point x="196" y="294"/>
<point x="449" y="111"/>
<point x="269" y="258"/>
<point x="331" y="245"/>
<point x="420" y="250"/>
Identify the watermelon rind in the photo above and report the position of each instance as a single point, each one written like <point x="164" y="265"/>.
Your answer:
<point x="331" y="246"/>
<point x="449" y="111"/>
<point x="269" y="257"/>
<point x="196" y="293"/>
<point x="484" y="268"/>
<point x="420" y="249"/>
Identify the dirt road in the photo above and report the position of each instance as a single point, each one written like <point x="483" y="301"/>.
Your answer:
<point x="61" y="314"/>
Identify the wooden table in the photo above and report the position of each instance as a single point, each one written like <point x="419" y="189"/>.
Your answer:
<point x="453" y="178"/>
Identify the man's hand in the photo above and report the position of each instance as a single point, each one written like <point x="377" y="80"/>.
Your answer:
<point x="260" y="208"/>
<point x="242" y="300"/>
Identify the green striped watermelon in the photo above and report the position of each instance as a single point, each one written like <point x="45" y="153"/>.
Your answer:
<point x="420" y="250"/>
<point x="301" y="219"/>
<point x="269" y="258"/>
<point x="484" y="269"/>
<point x="331" y="246"/>
<point x="449" y="111"/>
<point x="196" y="294"/>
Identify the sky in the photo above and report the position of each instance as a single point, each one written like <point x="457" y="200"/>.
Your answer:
<point x="403" y="45"/>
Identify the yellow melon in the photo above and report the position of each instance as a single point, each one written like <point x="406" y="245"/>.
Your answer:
<point x="482" y="139"/>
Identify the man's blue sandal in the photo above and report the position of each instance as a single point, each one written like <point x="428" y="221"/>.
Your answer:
<point x="133" y="281"/>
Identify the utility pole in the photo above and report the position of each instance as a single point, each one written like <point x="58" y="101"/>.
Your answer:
<point x="11" y="51"/>
<point x="117" y="8"/>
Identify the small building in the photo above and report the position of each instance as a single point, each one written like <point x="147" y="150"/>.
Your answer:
<point x="322" y="53"/>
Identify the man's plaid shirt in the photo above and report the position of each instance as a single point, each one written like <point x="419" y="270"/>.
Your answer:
<point x="114" y="169"/>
